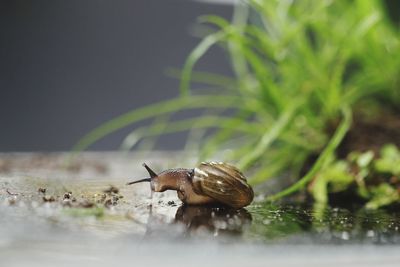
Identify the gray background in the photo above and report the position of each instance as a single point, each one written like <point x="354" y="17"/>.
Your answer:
<point x="67" y="66"/>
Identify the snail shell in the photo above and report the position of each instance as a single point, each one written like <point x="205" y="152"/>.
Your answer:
<point x="222" y="182"/>
<point x="210" y="182"/>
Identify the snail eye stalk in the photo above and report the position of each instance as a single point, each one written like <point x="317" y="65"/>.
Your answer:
<point x="151" y="172"/>
<point x="140" y="181"/>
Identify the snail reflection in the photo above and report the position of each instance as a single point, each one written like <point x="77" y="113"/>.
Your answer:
<point x="197" y="221"/>
<point x="218" y="220"/>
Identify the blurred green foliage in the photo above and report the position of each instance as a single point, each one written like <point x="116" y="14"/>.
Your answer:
<point x="375" y="178"/>
<point x="300" y="70"/>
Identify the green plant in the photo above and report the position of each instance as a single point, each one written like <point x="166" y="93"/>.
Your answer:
<point x="374" y="178"/>
<point x="299" y="68"/>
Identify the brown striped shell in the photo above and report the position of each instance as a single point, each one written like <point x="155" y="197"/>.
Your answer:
<point x="222" y="182"/>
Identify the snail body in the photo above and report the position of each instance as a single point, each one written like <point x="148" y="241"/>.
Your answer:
<point x="208" y="183"/>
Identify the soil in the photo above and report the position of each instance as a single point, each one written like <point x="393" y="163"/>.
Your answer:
<point x="371" y="132"/>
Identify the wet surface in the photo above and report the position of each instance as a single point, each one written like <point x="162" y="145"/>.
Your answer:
<point x="84" y="214"/>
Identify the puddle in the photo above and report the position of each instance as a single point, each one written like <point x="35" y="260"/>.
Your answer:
<point x="61" y="215"/>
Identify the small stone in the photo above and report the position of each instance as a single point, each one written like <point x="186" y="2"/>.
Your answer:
<point x="12" y="201"/>
<point x="108" y="203"/>
<point x="49" y="199"/>
<point x="42" y="190"/>
<point x="67" y="195"/>
<point x="171" y="203"/>
<point x="86" y="204"/>
<point x="111" y="190"/>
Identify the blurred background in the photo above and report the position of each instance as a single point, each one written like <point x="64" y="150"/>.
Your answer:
<point x="68" y="66"/>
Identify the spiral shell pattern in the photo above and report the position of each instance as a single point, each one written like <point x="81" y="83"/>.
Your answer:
<point x="224" y="183"/>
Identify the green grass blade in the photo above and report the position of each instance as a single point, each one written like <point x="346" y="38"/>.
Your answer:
<point x="194" y="56"/>
<point x="325" y="155"/>
<point x="269" y="136"/>
<point x="154" y="110"/>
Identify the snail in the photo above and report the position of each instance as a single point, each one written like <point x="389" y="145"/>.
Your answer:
<point x="209" y="183"/>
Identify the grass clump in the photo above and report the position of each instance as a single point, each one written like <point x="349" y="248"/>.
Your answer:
<point x="301" y="71"/>
<point x="372" y="177"/>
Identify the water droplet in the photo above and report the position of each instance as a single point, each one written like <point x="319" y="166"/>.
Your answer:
<point x="266" y="221"/>
<point x="370" y="233"/>
<point x="345" y="235"/>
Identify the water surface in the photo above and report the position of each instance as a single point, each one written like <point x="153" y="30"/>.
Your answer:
<point x="85" y="215"/>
